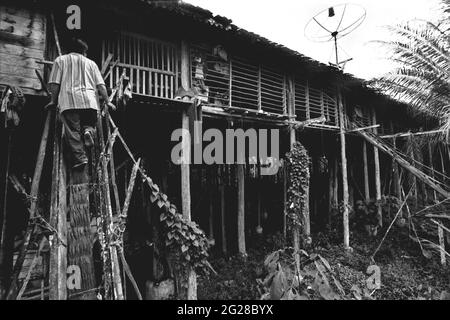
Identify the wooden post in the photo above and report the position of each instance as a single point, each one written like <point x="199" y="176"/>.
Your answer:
<point x="292" y="140"/>
<point x="441" y="244"/>
<point x="414" y="179"/>
<point x="366" y="173"/>
<point x="285" y="188"/>
<point x="344" y="173"/>
<point x="424" y="178"/>
<point x="185" y="167"/>
<point x="241" y="209"/>
<point x="211" y="218"/>
<point x="6" y="242"/>
<point x="33" y="205"/>
<point x="351" y="189"/>
<point x="430" y="159"/>
<point x="336" y="183"/>
<point x="377" y="174"/>
<point x="108" y="216"/>
<point x="222" y="218"/>
<point x="397" y="182"/>
<point x="58" y="220"/>
<point x="330" y="188"/>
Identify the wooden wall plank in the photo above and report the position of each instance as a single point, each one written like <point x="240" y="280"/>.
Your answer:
<point x="21" y="51"/>
<point x="27" y="91"/>
<point x="22" y="41"/>
<point x="34" y="22"/>
<point x="14" y="60"/>
<point x="29" y="83"/>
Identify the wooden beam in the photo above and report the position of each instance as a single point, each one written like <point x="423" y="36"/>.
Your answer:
<point x="5" y="239"/>
<point x="185" y="167"/>
<point x="222" y="218"/>
<point x="108" y="216"/>
<point x="441" y="244"/>
<point x="407" y="134"/>
<point x="344" y="173"/>
<point x="406" y="165"/>
<point x="376" y="157"/>
<point x="366" y="173"/>
<point x="397" y="182"/>
<point x="364" y="128"/>
<point x="430" y="160"/>
<point x="241" y="209"/>
<point x="186" y="197"/>
<point x="33" y="205"/>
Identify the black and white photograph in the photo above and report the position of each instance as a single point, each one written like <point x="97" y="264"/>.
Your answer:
<point x="223" y="156"/>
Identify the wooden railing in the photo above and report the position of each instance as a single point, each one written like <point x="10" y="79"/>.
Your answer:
<point x="222" y="80"/>
<point x="151" y="65"/>
<point x="311" y="103"/>
<point x="235" y="82"/>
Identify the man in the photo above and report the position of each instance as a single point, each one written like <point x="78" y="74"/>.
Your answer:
<point x="77" y="86"/>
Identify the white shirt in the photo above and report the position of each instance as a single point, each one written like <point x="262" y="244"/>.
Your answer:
<point x="78" y="78"/>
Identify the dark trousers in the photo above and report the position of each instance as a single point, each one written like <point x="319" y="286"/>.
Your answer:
<point x="76" y="121"/>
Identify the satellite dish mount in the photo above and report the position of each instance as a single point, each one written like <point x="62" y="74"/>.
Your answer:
<point x="334" y="23"/>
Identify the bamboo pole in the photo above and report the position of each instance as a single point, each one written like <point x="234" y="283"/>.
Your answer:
<point x="344" y="173"/>
<point x="335" y="183"/>
<point x="406" y="165"/>
<point x="442" y="244"/>
<point x="430" y="159"/>
<point x="376" y="157"/>
<point x="4" y="248"/>
<point x="33" y="205"/>
<point x="123" y="217"/>
<point x="330" y="188"/>
<point x="366" y="173"/>
<point x="115" y="268"/>
<point x="30" y="270"/>
<point x="414" y="179"/>
<point x="285" y="188"/>
<point x="211" y="217"/>
<point x="397" y="183"/>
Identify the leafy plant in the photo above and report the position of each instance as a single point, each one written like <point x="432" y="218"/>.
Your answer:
<point x="285" y="282"/>
<point x="184" y="239"/>
<point x="297" y="194"/>
<point x="422" y="79"/>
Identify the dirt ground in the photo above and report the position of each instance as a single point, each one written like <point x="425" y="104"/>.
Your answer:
<point x="405" y="273"/>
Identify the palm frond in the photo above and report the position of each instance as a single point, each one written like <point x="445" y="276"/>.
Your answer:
<point x="423" y="79"/>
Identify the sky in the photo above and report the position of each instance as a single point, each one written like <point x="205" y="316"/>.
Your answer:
<point x="284" y="21"/>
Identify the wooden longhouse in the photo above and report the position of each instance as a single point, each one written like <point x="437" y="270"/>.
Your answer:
<point x="240" y="80"/>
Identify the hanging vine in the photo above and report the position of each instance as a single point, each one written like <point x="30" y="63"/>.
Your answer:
<point x="298" y="163"/>
<point x="183" y="238"/>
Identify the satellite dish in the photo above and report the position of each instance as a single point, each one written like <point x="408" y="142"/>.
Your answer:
<point x="334" y="23"/>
